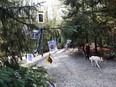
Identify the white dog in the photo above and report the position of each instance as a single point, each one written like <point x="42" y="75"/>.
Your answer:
<point x="96" y="59"/>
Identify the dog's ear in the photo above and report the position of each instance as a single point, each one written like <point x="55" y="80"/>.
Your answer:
<point x="101" y="58"/>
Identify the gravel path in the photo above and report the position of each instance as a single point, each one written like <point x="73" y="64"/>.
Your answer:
<point x="71" y="70"/>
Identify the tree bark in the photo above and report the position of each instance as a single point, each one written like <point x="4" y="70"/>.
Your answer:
<point x="95" y="39"/>
<point x="87" y="38"/>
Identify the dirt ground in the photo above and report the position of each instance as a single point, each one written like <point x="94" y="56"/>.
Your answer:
<point x="70" y="69"/>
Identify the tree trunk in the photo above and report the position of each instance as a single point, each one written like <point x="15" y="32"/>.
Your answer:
<point x="95" y="39"/>
<point x="87" y="38"/>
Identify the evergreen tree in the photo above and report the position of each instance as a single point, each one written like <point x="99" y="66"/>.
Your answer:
<point x="90" y="20"/>
<point x="13" y="39"/>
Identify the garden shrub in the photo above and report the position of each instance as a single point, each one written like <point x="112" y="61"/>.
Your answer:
<point x="24" y="77"/>
<point x="110" y="55"/>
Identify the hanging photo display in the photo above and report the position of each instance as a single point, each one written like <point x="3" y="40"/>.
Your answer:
<point x="52" y="45"/>
<point x="40" y="34"/>
<point x="67" y="43"/>
<point x="35" y="34"/>
<point x="29" y="58"/>
<point x="35" y="53"/>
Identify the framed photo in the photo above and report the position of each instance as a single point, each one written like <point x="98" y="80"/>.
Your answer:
<point x="52" y="45"/>
<point x="29" y="58"/>
<point x="35" y="34"/>
<point x="40" y="17"/>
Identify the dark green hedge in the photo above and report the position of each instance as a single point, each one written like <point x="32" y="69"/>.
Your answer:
<point x="24" y="77"/>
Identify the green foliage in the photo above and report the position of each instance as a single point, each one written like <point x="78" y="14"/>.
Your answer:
<point x="13" y="17"/>
<point x="24" y="77"/>
<point x="110" y="55"/>
<point x="6" y="74"/>
<point x="90" y="18"/>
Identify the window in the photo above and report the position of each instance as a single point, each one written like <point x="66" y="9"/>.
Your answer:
<point x="41" y="17"/>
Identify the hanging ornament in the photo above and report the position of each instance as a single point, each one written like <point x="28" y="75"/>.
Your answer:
<point x="49" y="59"/>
